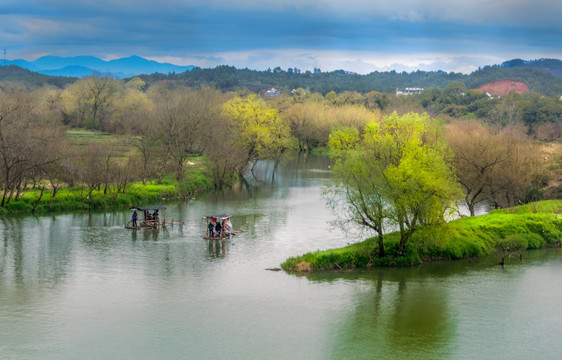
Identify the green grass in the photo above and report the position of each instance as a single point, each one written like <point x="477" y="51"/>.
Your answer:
<point x="83" y="137"/>
<point x="197" y="180"/>
<point x="537" y="225"/>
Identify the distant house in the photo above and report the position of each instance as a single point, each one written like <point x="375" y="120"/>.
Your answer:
<point x="408" y="91"/>
<point x="272" y="92"/>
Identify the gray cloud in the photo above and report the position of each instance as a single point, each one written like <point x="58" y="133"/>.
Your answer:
<point x="267" y="33"/>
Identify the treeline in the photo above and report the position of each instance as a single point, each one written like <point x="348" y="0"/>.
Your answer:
<point x="228" y="78"/>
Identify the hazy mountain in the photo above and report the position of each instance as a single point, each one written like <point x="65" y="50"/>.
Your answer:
<point x="81" y="66"/>
<point x="69" y="71"/>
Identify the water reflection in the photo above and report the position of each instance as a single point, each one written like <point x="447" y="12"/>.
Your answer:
<point x="217" y="248"/>
<point x="397" y="313"/>
<point x="81" y="286"/>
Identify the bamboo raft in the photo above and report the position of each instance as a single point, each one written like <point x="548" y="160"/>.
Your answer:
<point x="150" y="221"/>
<point x="223" y="235"/>
<point x="226" y="228"/>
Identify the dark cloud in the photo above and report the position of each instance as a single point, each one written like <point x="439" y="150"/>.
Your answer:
<point x="265" y="29"/>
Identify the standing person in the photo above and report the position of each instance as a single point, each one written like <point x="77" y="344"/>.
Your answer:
<point x="218" y="228"/>
<point x="135" y="217"/>
<point x="210" y="227"/>
<point x="228" y="226"/>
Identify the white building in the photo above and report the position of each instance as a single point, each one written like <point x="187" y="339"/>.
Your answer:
<point x="408" y="91"/>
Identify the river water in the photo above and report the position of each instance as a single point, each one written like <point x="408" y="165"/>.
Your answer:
<point x="80" y="286"/>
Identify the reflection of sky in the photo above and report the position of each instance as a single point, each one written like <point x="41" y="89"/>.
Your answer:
<point x="356" y="35"/>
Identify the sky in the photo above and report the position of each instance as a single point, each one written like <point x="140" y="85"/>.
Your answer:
<point x="360" y="36"/>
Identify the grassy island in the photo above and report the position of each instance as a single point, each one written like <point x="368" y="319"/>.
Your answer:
<point x="506" y="231"/>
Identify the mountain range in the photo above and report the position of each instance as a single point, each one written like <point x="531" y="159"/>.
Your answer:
<point x="82" y="66"/>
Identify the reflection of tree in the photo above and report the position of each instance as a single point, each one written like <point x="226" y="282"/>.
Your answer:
<point x="420" y="324"/>
<point x="26" y="260"/>
<point x="403" y="315"/>
<point x="290" y="171"/>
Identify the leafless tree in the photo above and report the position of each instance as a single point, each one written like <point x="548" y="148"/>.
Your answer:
<point x="28" y="142"/>
<point x="493" y="165"/>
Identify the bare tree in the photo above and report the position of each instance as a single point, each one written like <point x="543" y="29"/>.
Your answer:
<point x="28" y="142"/>
<point x="89" y="101"/>
<point x="93" y="166"/>
<point x="493" y="166"/>
<point x="182" y="117"/>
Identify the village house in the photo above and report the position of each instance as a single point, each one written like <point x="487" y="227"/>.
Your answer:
<point x="272" y="92"/>
<point x="408" y="91"/>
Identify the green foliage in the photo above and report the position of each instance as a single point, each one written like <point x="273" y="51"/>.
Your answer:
<point x="507" y="231"/>
<point x="196" y="181"/>
<point x="398" y="172"/>
<point x="258" y="128"/>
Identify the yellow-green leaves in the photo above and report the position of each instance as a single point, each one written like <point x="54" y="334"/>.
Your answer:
<point x="397" y="172"/>
<point x="258" y="127"/>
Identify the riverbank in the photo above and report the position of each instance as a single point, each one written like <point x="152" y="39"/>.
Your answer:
<point x="532" y="226"/>
<point x="196" y="180"/>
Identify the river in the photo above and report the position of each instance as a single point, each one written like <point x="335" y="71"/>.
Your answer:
<point x="80" y="286"/>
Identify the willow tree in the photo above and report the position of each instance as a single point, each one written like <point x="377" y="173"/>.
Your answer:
<point x="397" y="174"/>
<point x="257" y="128"/>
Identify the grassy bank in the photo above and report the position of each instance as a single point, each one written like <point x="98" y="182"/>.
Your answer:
<point x="531" y="226"/>
<point x="196" y="180"/>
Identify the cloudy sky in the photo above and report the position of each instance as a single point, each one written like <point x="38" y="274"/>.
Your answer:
<point x="354" y="35"/>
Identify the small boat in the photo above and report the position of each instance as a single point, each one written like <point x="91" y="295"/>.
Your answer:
<point x="225" y="226"/>
<point x="151" y="218"/>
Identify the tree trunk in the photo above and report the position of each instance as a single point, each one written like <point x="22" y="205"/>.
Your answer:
<point x="381" y="245"/>
<point x="18" y="190"/>
<point x="11" y="194"/>
<point x="4" y="197"/>
<point x="471" y="208"/>
<point x="39" y="199"/>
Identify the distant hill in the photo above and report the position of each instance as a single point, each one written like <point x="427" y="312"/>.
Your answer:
<point x="553" y="66"/>
<point x="539" y="81"/>
<point x="504" y="87"/>
<point x="81" y="66"/>
<point x="13" y="73"/>
<point x="229" y="78"/>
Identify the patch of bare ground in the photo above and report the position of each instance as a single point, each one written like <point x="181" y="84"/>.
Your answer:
<point x="303" y="267"/>
<point x="504" y="87"/>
